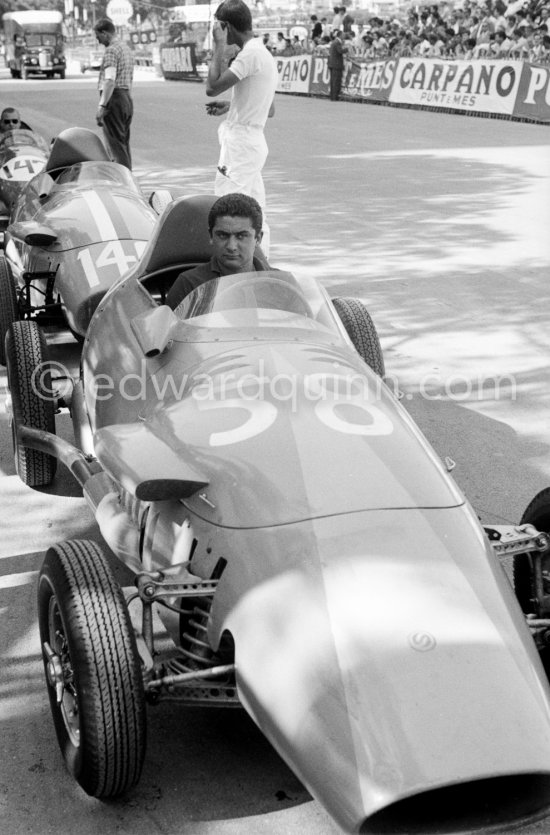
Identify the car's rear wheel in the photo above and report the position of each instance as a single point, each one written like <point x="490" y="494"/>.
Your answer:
<point x="32" y="399"/>
<point x="361" y="330"/>
<point x="93" y="669"/>
<point x="9" y="307"/>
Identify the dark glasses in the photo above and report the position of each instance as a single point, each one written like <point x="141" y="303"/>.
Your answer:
<point x="10" y="121"/>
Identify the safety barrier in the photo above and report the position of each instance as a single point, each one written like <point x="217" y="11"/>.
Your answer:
<point x="497" y="88"/>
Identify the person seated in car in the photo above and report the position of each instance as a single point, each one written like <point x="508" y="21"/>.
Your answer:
<point x="235" y="227"/>
<point x="11" y="120"/>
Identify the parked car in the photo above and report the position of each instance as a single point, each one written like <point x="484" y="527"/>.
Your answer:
<point x="75" y="229"/>
<point x="303" y="547"/>
<point x="90" y="56"/>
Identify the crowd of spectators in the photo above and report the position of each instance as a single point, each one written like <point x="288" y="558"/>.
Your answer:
<point x="488" y="29"/>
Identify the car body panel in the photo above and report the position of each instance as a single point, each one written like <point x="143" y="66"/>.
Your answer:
<point x="388" y="655"/>
<point x="376" y="640"/>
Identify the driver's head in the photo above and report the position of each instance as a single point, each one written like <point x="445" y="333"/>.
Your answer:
<point x="9" y="119"/>
<point x="234" y="14"/>
<point x="235" y="226"/>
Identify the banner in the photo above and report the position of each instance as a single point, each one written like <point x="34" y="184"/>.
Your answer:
<point x="368" y="79"/>
<point x="178" y="61"/>
<point x="533" y="99"/>
<point x="294" y="74"/>
<point x="320" y="76"/>
<point x="480" y="86"/>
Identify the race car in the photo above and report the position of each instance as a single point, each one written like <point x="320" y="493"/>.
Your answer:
<point x="297" y="548"/>
<point x="75" y="229"/>
<point x="23" y="154"/>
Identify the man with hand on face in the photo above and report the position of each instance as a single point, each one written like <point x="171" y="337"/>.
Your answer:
<point x="235" y="226"/>
<point x="252" y="78"/>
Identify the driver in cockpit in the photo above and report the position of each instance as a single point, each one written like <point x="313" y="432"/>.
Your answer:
<point x="235" y="226"/>
<point x="11" y="120"/>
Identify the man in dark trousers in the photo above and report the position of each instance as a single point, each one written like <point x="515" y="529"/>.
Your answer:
<point x="336" y="64"/>
<point x="115" y="109"/>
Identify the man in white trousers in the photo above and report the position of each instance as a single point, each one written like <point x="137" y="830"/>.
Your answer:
<point x="252" y="77"/>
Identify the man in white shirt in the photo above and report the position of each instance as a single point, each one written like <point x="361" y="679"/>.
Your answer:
<point x="252" y="78"/>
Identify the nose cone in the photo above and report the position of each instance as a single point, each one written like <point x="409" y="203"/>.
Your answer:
<point x="408" y="671"/>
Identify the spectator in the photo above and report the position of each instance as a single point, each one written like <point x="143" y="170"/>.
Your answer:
<point x="337" y="19"/>
<point x="537" y="51"/>
<point x="541" y="19"/>
<point x="317" y="27"/>
<point x="469" y="46"/>
<point x="336" y="64"/>
<point x="280" y="43"/>
<point x="501" y="45"/>
<point x="347" y="20"/>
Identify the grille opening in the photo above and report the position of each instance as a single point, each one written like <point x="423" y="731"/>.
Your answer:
<point x="464" y="808"/>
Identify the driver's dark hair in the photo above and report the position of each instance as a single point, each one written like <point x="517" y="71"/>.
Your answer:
<point x="105" y="24"/>
<point x="236" y="205"/>
<point x="235" y="12"/>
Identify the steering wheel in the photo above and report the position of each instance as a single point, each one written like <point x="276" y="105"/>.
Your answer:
<point x="297" y="301"/>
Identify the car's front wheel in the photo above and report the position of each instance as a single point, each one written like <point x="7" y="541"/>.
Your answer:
<point x="537" y="513"/>
<point x="361" y="330"/>
<point x="93" y="669"/>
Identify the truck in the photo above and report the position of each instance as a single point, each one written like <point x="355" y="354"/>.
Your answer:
<point x="34" y="43"/>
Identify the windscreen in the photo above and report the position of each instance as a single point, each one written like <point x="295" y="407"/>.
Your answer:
<point x="40" y="39"/>
<point x="13" y="138"/>
<point x="256" y="300"/>
<point x="97" y="173"/>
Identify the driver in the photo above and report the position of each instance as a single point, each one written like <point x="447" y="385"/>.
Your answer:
<point x="9" y="119"/>
<point x="235" y="227"/>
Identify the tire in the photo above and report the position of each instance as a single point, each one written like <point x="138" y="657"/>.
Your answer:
<point x="362" y="332"/>
<point x="100" y="716"/>
<point x="537" y="513"/>
<point x="9" y="307"/>
<point x="62" y="75"/>
<point x="31" y="398"/>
